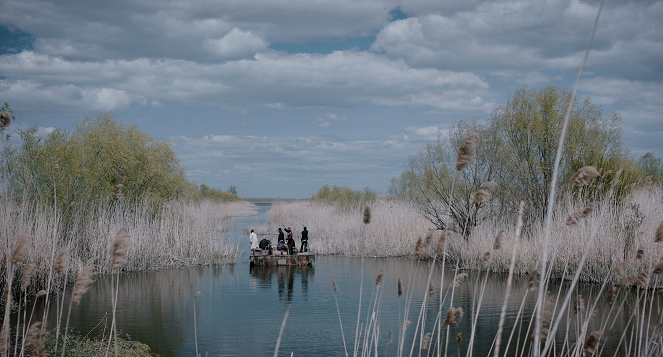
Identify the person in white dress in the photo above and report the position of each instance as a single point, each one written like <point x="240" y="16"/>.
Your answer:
<point x="253" y="238"/>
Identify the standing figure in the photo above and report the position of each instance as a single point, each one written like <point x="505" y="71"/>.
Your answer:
<point x="290" y="243"/>
<point x="253" y="238"/>
<point x="304" y="247"/>
<point x="280" y="241"/>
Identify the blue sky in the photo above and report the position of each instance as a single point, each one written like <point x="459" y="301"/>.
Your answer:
<point x="281" y="97"/>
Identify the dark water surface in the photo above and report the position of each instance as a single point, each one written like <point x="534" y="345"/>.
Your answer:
<point x="239" y="311"/>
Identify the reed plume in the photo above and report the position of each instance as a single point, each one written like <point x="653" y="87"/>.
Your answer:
<point x="19" y="253"/>
<point x="459" y="337"/>
<point x="62" y="262"/>
<point x="458" y="280"/>
<point x="391" y="335"/>
<point x="658" y="269"/>
<point x="454" y="315"/>
<point x="485" y="259"/>
<point x="431" y="289"/>
<point x="118" y="191"/>
<point x="640" y="253"/>
<point x="378" y="280"/>
<point x="658" y="236"/>
<point x="482" y="194"/>
<point x="442" y="242"/>
<point x="367" y="214"/>
<point x="579" y="306"/>
<point x="642" y="278"/>
<point x="592" y="342"/>
<point x="120" y="248"/>
<point x="405" y="324"/>
<point x="498" y="240"/>
<point x="83" y="283"/>
<point x="533" y="280"/>
<point x="429" y="238"/>
<point x="35" y="338"/>
<point x="400" y="287"/>
<point x="28" y="271"/>
<point x="585" y="175"/>
<point x="335" y="287"/>
<point x="467" y="152"/>
<point x="579" y="214"/>
<point x="425" y="341"/>
<point x="612" y="292"/>
<point x="418" y="248"/>
<point x="5" y="119"/>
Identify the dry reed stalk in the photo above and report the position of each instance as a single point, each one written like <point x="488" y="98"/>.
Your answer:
<point x="579" y="214"/>
<point x="454" y="315"/>
<point x="391" y="335"/>
<point x="498" y="240"/>
<point x="458" y="280"/>
<point x="658" y="236"/>
<point x="585" y="175"/>
<point x="467" y="151"/>
<point x="120" y="248"/>
<point x="6" y="119"/>
<point x="35" y="338"/>
<point x="335" y="287"/>
<point x="20" y="251"/>
<point x="367" y="214"/>
<point x="592" y="342"/>
<point x="431" y="289"/>
<point x="82" y="284"/>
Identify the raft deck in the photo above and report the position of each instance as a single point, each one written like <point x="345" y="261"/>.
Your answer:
<point x="262" y="258"/>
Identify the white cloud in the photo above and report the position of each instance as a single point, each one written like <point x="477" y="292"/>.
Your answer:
<point x="236" y="44"/>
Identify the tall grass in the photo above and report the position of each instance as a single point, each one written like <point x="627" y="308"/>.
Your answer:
<point x="119" y="238"/>
<point x="396" y="226"/>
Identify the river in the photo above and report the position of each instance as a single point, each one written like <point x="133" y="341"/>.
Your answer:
<point x="240" y="311"/>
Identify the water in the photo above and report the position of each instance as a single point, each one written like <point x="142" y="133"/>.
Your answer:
<point x="240" y="311"/>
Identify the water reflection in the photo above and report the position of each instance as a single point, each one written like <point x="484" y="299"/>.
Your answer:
<point x="285" y="276"/>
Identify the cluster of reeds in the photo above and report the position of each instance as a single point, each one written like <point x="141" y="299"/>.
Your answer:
<point x="40" y="264"/>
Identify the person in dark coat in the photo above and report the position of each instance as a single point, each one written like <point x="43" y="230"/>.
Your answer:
<point x="304" y="247"/>
<point x="280" y="241"/>
<point x="290" y="243"/>
<point x="265" y="244"/>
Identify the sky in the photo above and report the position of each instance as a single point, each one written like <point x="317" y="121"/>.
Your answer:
<point x="280" y="97"/>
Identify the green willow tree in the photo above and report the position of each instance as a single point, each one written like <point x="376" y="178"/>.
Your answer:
<point x="517" y="149"/>
<point x="101" y="160"/>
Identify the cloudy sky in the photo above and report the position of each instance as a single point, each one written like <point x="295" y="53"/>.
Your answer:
<point x="279" y="97"/>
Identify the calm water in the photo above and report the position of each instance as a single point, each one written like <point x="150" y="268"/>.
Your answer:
<point x="240" y="310"/>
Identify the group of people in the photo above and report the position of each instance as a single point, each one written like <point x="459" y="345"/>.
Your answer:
<point x="283" y="243"/>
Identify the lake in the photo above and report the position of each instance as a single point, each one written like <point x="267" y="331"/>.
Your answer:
<point x="240" y="311"/>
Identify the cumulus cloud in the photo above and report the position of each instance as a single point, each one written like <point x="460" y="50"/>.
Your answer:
<point x="236" y="44"/>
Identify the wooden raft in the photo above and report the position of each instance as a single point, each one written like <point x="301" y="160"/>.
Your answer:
<point x="262" y="258"/>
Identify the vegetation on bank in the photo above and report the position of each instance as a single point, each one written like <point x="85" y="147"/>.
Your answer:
<point x="344" y="198"/>
<point x="513" y="153"/>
